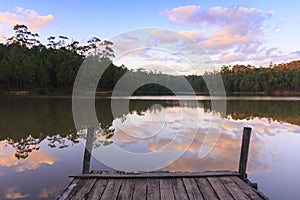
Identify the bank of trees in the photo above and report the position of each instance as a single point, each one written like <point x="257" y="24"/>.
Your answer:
<point x="272" y="79"/>
<point x="27" y="64"/>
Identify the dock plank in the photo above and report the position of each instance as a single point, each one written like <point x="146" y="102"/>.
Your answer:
<point x="160" y="186"/>
<point x="234" y="189"/>
<point x="166" y="190"/>
<point x="247" y="189"/>
<point x="179" y="189"/>
<point x="206" y="189"/>
<point x="112" y="189"/>
<point x="98" y="189"/>
<point x="127" y="188"/>
<point x="71" y="189"/>
<point x="84" y="189"/>
<point x="140" y="189"/>
<point x="153" y="191"/>
<point x="158" y="175"/>
<point x="193" y="191"/>
<point x="219" y="188"/>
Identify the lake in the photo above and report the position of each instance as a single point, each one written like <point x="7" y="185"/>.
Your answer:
<point x="40" y="147"/>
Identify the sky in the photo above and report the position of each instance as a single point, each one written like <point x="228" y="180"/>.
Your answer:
<point x="228" y="32"/>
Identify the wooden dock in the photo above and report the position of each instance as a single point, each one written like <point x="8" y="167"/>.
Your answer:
<point x="161" y="185"/>
<point x="213" y="185"/>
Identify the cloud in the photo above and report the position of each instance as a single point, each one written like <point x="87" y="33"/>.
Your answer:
<point x="277" y="30"/>
<point x="231" y="57"/>
<point x="228" y="34"/>
<point x="2" y="37"/>
<point x="182" y="15"/>
<point x="230" y="26"/>
<point x="264" y="56"/>
<point x="194" y="34"/>
<point x="29" y="17"/>
<point x="12" y="193"/>
<point x="34" y="160"/>
<point x="125" y="43"/>
<point x="52" y="192"/>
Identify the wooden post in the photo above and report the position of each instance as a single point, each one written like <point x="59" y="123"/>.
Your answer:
<point x="88" y="151"/>
<point x="244" y="152"/>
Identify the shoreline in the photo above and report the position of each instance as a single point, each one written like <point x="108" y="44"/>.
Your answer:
<point x="109" y="93"/>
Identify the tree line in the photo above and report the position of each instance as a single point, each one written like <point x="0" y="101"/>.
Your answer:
<point x="27" y="64"/>
<point x="281" y="78"/>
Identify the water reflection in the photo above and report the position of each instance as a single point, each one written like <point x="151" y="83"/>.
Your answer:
<point x="38" y="139"/>
<point x="8" y="158"/>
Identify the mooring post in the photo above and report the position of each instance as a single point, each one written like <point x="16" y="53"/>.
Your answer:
<point x="88" y="150"/>
<point x="244" y="152"/>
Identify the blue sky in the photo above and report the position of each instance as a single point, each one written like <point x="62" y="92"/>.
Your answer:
<point x="254" y="32"/>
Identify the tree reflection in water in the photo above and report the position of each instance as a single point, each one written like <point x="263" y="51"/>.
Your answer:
<point x="23" y="147"/>
<point x="55" y="116"/>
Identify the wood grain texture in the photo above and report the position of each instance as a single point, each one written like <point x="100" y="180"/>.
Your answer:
<point x="234" y="189"/>
<point x="192" y="189"/>
<point x="161" y="186"/>
<point x="166" y="190"/>
<point x="112" y="189"/>
<point x="140" y="189"/>
<point x="179" y="189"/>
<point x="153" y="190"/>
<point x="219" y="188"/>
<point x="206" y="189"/>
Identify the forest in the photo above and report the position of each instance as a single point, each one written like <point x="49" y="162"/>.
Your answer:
<point x="27" y="64"/>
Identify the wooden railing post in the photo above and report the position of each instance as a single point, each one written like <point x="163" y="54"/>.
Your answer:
<point x="244" y="152"/>
<point x="88" y="150"/>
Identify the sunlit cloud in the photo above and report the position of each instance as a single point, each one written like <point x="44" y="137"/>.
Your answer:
<point x="230" y="26"/>
<point x="229" y="35"/>
<point x="225" y="153"/>
<point x="33" y="161"/>
<point x="52" y="192"/>
<point x="183" y="15"/>
<point x="231" y="57"/>
<point x="13" y="193"/>
<point x="29" y="17"/>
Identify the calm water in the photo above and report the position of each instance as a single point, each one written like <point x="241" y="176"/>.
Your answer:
<point x="39" y="147"/>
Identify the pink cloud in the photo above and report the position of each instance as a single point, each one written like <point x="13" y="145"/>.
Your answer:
<point x="182" y="15"/>
<point x="194" y="34"/>
<point x="236" y="30"/>
<point x="12" y="193"/>
<point x="29" y="17"/>
<point x="231" y="57"/>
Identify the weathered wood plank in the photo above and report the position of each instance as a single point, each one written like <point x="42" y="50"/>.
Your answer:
<point x="98" y="189"/>
<point x="112" y="189"/>
<point x="166" y="191"/>
<point x="140" y="189"/>
<point x="247" y="189"/>
<point x="192" y="189"/>
<point x="179" y="189"/>
<point x="161" y="185"/>
<point x="219" y="188"/>
<point x="234" y="189"/>
<point x="244" y="152"/>
<point x="159" y="175"/>
<point x="153" y="191"/>
<point x="71" y="189"/>
<point x="206" y="189"/>
<point x="84" y="189"/>
<point x="127" y="188"/>
<point x="88" y="150"/>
